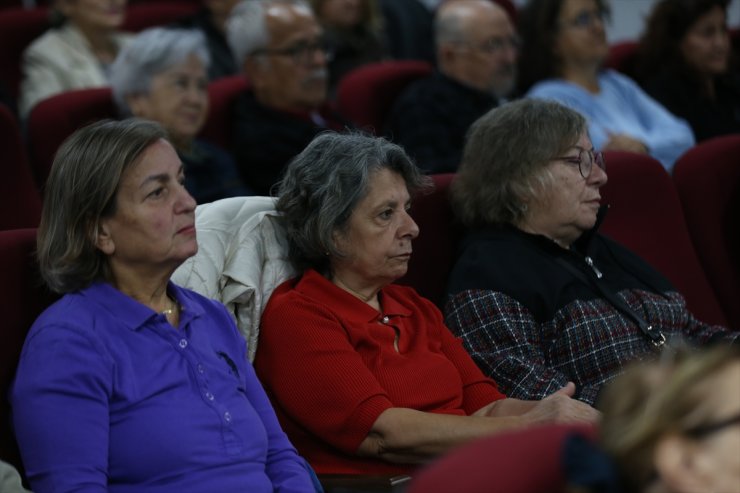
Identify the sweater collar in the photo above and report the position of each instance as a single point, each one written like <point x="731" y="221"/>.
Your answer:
<point x="344" y="304"/>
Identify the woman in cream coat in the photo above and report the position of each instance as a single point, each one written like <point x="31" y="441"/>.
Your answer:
<point x="75" y="55"/>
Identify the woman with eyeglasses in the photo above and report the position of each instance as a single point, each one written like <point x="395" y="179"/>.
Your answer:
<point x="669" y="427"/>
<point x="563" y="50"/>
<point x="537" y="295"/>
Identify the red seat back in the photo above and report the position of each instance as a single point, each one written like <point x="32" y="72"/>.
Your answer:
<point x="141" y="15"/>
<point x="622" y="57"/>
<point x="365" y="95"/>
<point x="18" y="28"/>
<point x="54" y="119"/>
<point x="521" y="461"/>
<point x="20" y="202"/>
<point x="707" y="178"/>
<point x="646" y="216"/>
<point x="22" y="299"/>
<point x="222" y="94"/>
<point x="436" y="247"/>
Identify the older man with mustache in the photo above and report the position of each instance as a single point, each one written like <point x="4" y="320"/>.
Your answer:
<point x="280" y="48"/>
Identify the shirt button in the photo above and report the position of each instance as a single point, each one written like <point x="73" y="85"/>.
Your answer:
<point x="209" y="396"/>
<point x="201" y="370"/>
<point x="183" y="343"/>
<point x="227" y="416"/>
<point x="385" y="319"/>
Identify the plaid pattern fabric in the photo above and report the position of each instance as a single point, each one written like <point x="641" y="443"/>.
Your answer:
<point x="587" y="341"/>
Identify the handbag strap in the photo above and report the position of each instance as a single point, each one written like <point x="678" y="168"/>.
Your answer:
<point x="655" y="335"/>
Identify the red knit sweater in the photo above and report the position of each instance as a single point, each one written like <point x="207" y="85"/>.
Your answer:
<point x="329" y="364"/>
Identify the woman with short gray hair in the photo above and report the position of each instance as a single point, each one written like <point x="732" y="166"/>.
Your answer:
<point x="537" y="295"/>
<point x="365" y="377"/>
<point x="161" y="75"/>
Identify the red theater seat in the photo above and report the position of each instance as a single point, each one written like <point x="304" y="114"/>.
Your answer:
<point x="522" y="461"/>
<point x="222" y="94"/>
<point x="436" y="247"/>
<point x="18" y="28"/>
<point x="707" y="178"/>
<point x="365" y="96"/>
<point x="56" y="118"/>
<point x="20" y="202"/>
<point x="22" y="299"/>
<point x="646" y="216"/>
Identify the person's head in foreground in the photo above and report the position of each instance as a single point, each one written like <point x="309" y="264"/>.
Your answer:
<point x="673" y="426"/>
<point x="530" y="163"/>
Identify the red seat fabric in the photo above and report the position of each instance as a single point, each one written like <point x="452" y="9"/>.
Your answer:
<point x="22" y="299"/>
<point x="20" y="202"/>
<point x="646" y="216"/>
<point x="622" y="57"/>
<point x="222" y="94"/>
<point x="18" y="28"/>
<point x="54" y="119"/>
<point x="141" y="15"/>
<point x="365" y="96"/>
<point x="707" y="178"/>
<point x="435" y="249"/>
<point x="522" y="461"/>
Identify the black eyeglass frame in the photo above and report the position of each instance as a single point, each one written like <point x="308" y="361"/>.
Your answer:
<point x="703" y="430"/>
<point x="585" y="158"/>
<point x="301" y="53"/>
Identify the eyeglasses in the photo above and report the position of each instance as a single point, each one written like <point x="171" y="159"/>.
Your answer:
<point x="302" y="53"/>
<point x="585" y="161"/>
<point x="496" y="45"/>
<point x="707" y="429"/>
<point x="587" y="18"/>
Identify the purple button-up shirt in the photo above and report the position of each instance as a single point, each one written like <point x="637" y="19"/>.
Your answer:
<point x="109" y="397"/>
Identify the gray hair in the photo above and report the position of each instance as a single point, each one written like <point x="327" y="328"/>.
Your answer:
<point x="505" y="158"/>
<point x="323" y="184"/>
<point x="451" y="22"/>
<point x="81" y="190"/>
<point x="246" y="28"/>
<point x="149" y="54"/>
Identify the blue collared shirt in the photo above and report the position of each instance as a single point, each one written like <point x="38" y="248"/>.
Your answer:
<point x="110" y="397"/>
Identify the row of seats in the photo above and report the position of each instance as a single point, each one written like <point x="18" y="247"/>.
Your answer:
<point x="20" y="26"/>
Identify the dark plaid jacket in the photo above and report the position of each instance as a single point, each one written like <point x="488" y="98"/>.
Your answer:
<point x="533" y="325"/>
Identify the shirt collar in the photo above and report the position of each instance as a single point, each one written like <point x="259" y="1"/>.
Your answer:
<point x="133" y="314"/>
<point x="344" y="304"/>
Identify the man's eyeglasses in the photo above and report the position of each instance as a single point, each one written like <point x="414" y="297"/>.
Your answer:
<point x="494" y="46"/>
<point x="302" y="53"/>
<point x="585" y="161"/>
<point x="587" y="18"/>
<point x="707" y="429"/>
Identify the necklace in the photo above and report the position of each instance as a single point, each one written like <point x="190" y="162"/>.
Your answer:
<point x="172" y="309"/>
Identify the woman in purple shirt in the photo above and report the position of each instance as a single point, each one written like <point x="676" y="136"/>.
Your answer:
<point x="129" y="383"/>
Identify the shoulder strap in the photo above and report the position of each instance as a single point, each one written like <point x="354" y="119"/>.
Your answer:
<point x="655" y="336"/>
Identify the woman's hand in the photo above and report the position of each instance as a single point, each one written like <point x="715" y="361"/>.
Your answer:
<point x="557" y="407"/>
<point x="621" y="142"/>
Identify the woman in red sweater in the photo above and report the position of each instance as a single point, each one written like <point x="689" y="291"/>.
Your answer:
<point x="363" y="374"/>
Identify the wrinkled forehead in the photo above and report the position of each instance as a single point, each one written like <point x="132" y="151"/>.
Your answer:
<point x="287" y="23"/>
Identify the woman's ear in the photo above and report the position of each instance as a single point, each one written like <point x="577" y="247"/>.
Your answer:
<point x="103" y="239"/>
<point x="676" y="462"/>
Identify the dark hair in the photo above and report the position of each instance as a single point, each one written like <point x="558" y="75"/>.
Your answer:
<point x="538" y="29"/>
<point x="81" y="190"/>
<point x="322" y="186"/>
<point x="668" y="23"/>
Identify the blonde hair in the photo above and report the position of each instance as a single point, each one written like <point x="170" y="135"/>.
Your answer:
<point x="652" y="400"/>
